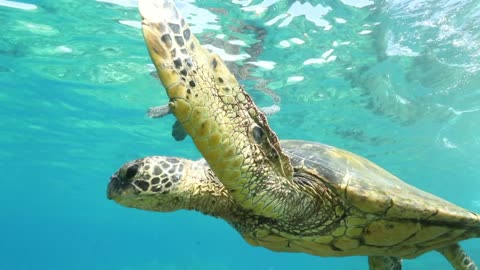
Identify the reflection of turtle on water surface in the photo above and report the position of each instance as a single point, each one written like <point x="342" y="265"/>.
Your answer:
<point x="293" y="196"/>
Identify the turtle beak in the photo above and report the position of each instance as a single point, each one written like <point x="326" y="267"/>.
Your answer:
<point x="114" y="186"/>
<point x="110" y="188"/>
<point x="117" y="188"/>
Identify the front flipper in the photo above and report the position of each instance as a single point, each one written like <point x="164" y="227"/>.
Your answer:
<point x="384" y="263"/>
<point x="457" y="257"/>
<point x="226" y="126"/>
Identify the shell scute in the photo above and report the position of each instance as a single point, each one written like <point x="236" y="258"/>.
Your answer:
<point x="367" y="187"/>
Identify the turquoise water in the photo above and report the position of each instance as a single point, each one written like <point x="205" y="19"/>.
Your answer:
<point x="395" y="81"/>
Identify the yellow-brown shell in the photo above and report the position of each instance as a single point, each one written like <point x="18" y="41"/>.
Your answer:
<point x="370" y="188"/>
<point x="383" y="216"/>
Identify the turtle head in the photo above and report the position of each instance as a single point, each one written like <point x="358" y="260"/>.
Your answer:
<point x="152" y="183"/>
<point x="166" y="184"/>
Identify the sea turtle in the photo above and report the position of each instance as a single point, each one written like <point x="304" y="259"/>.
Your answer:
<point x="293" y="196"/>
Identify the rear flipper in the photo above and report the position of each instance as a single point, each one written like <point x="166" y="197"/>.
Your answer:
<point x="384" y="263"/>
<point x="458" y="258"/>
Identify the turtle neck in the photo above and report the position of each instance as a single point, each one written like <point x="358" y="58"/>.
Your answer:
<point x="206" y="194"/>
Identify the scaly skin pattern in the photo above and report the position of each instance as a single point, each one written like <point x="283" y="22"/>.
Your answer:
<point x="384" y="263"/>
<point x="310" y="207"/>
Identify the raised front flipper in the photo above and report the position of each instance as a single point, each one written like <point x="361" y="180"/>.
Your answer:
<point x="226" y="126"/>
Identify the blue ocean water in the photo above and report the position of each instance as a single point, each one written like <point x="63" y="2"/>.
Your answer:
<point x="395" y="81"/>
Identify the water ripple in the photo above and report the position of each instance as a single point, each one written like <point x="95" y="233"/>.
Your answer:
<point x="19" y="5"/>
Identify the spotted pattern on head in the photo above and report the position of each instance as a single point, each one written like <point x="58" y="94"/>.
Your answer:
<point x="152" y="174"/>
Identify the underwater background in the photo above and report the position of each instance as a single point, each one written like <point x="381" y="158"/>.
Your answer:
<point x="395" y="81"/>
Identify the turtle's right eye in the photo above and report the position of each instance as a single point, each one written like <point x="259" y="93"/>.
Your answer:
<point x="131" y="171"/>
<point x="258" y="134"/>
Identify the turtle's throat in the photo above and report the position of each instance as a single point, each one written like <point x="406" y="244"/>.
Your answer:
<point x="206" y="194"/>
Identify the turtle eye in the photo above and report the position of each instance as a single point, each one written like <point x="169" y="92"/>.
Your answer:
<point x="131" y="171"/>
<point x="257" y="133"/>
